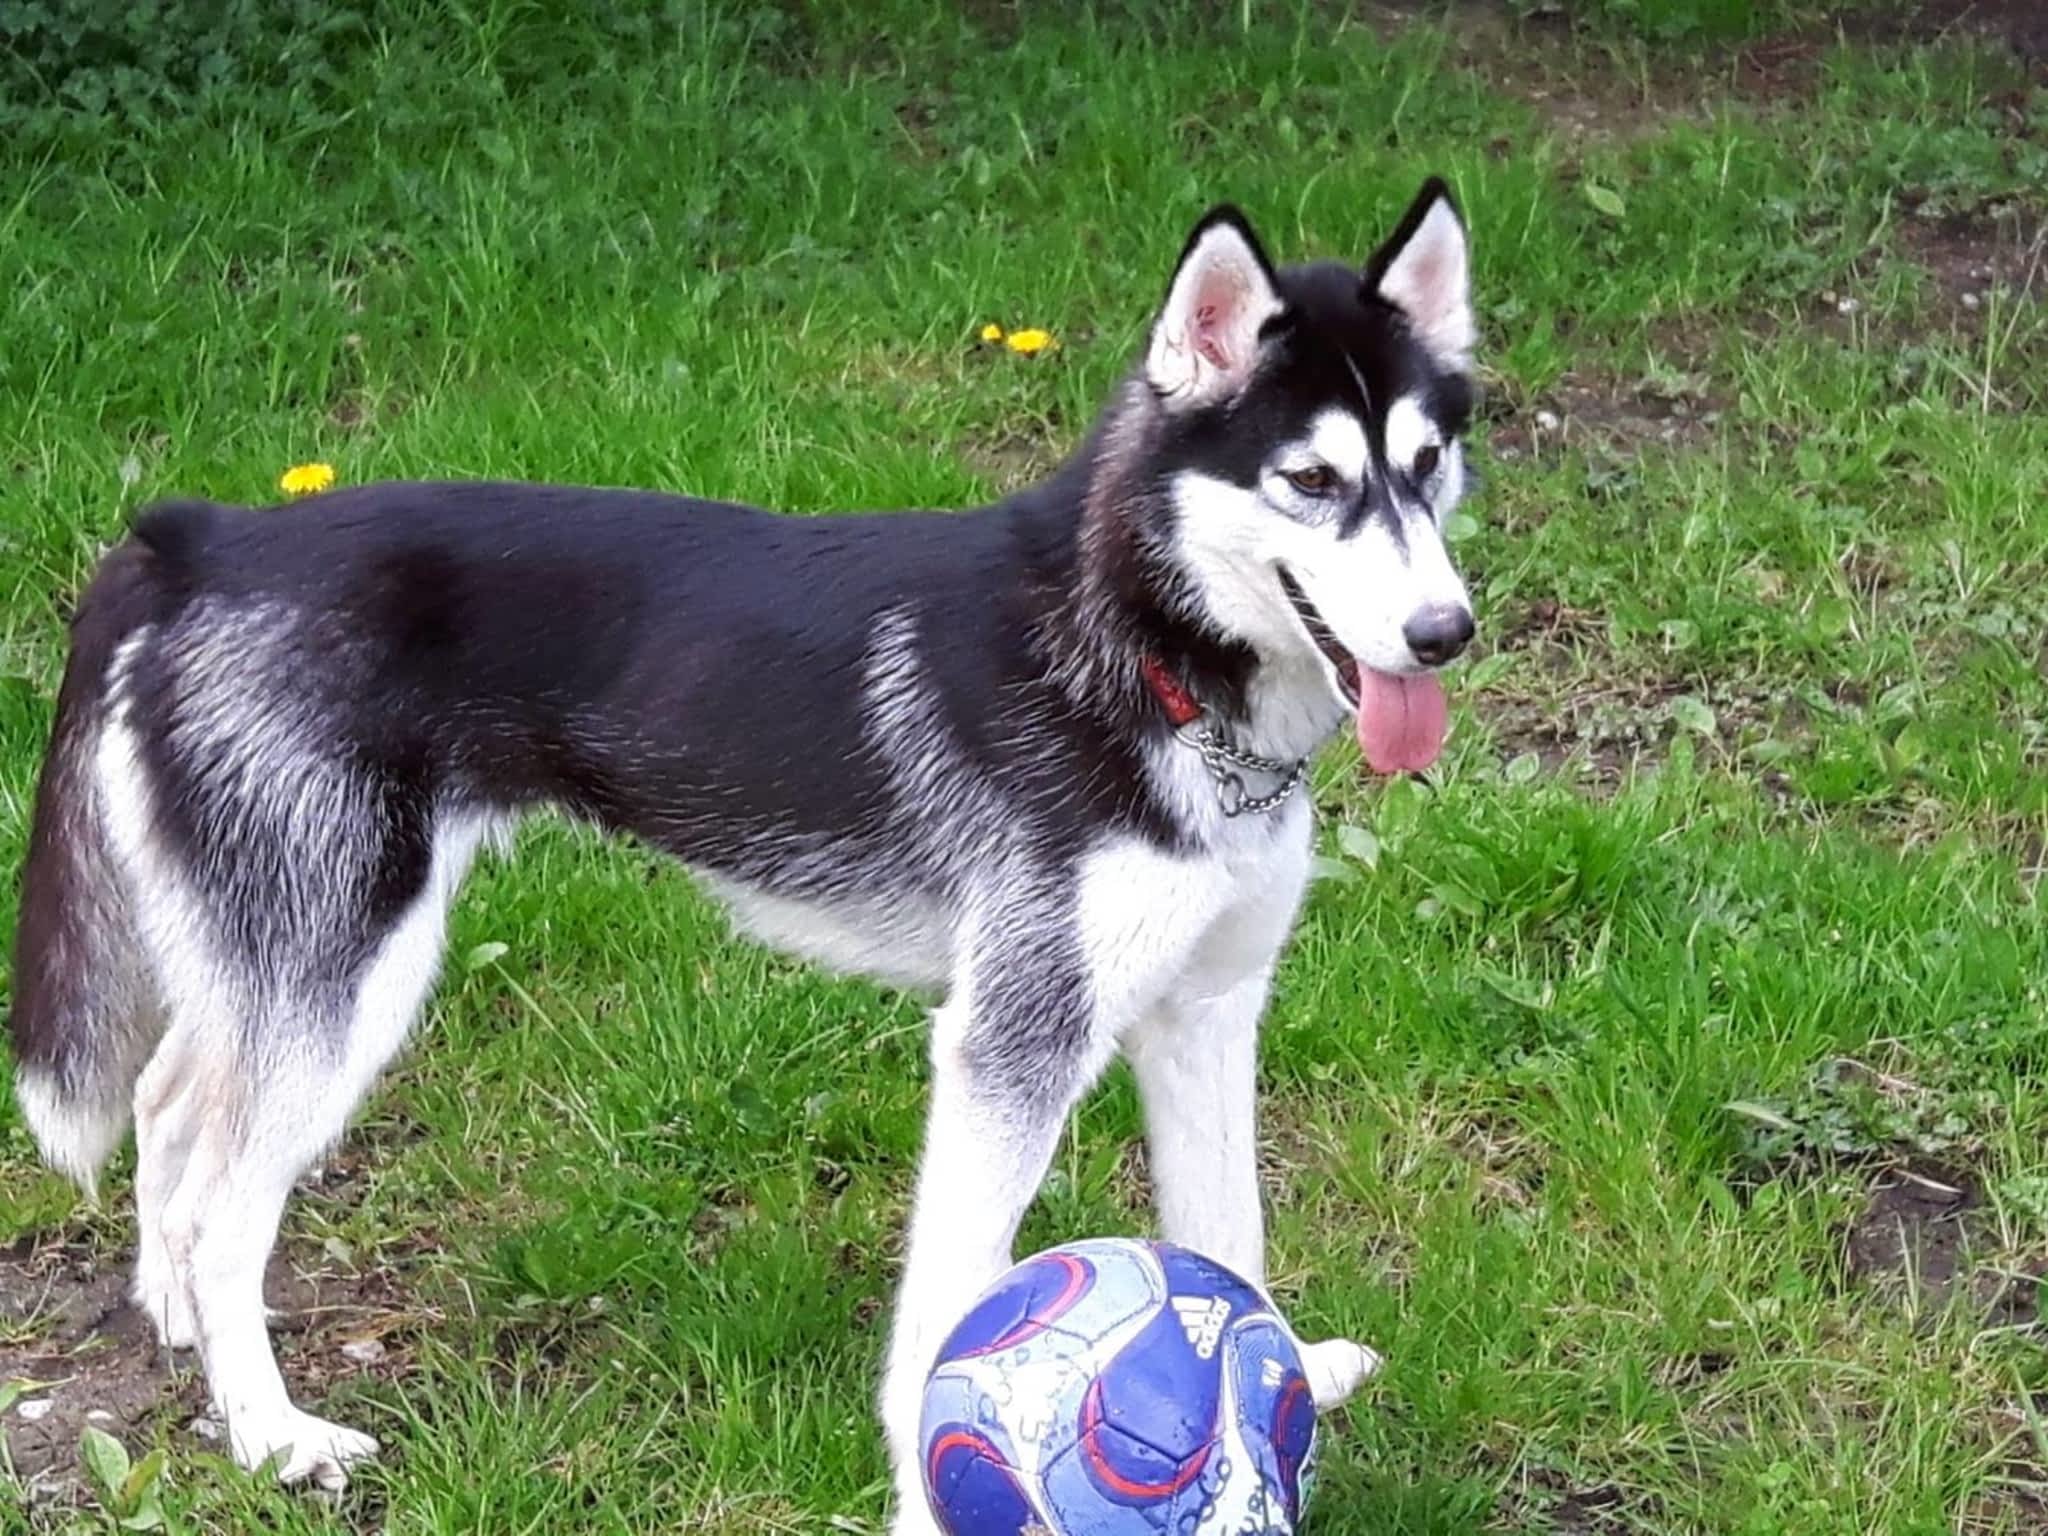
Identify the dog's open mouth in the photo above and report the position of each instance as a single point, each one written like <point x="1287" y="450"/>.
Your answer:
<point x="1325" y="639"/>
<point x="1401" y="716"/>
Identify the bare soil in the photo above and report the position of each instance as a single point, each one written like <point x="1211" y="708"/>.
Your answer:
<point x="1979" y="258"/>
<point x="1545" y="1502"/>
<point x="1593" y="408"/>
<point x="1921" y="1236"/>
<point x="98" y="1355"/>
<point x="2020" y="25"/>
<point x="65" y="1322"/>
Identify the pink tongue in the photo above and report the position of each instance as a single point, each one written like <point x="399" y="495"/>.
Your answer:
<point x="1401" y="721"/>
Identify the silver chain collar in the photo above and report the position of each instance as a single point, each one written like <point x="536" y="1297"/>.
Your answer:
<point x="1224" y="758"/>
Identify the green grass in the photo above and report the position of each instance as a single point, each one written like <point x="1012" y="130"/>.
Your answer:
<point x="1725" y="904"/>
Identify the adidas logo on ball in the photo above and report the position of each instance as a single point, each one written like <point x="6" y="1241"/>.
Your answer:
<point x="1202" y="1318"/>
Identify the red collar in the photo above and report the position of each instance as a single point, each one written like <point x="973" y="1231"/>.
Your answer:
<point x="1180" y="706"/>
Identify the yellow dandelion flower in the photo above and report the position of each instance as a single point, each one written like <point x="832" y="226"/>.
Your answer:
<point x="304" y="479"/>
<point x="1029" y="343"/>
<point x="991" y="332"/>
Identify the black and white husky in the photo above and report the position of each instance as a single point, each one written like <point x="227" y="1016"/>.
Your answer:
<point x="1043" y="759"/>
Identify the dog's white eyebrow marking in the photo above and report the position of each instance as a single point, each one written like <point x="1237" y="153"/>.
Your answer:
<point x="1338" y="439"/>
<point x="1409" y="431"/>
<point x="1364" y="390"/>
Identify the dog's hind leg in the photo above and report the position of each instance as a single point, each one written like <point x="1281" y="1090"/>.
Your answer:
<point x="1012" y="1050"/>
<point x="172" y="1103"/>
<point x="168" y="1115"/>
<point x="259" y="1128"/>
<point x="256" y="1098"/>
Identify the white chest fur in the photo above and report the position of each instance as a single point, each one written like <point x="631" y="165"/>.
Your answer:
<point x="1155" y="923"/>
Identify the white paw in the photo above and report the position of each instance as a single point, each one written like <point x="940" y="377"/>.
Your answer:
<point x="165" y="1305"/>
<point x="306" y="1449"/>
<point x="1336" y="1368"/>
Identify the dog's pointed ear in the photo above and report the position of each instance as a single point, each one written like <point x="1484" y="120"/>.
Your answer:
<point x="1206" y="340"/>
<point x="1424" y="270"/>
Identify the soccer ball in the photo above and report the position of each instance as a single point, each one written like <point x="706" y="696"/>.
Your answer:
<point x="1118" y="1388"/>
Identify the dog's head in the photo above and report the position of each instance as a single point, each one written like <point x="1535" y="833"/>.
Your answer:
<point x="1311" y="424"/>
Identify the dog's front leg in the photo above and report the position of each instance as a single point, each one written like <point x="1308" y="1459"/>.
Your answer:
<point x="1196" y="1061"/>
<point x="1009" y="1058"/>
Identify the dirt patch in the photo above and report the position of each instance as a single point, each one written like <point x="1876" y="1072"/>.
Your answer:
<point x="1542" y="60"/>
<point x="1786" y="67"/>
<point x="1913" y="1229"/>
<point x="100" y="1357"/>
<point x="2028" y="841"/>
<point x="1546" y="1502"/>
<point x="1587" y="101"/>
<point x="1919" y="1235"/>
<point x="1573" y="709"/>
<point x="1536" y="60"/>
<point x="2020" y="25"/>
<point x="1588" y="1511"/>
<point x="1978" y="263"/>
<point x="2011" y="1509"/>
<point x="919" y="116"/>
<point x="1591" y="408"/>
<point x="65" y="1321"/>
<point x="1662" y="390"/>
<point x="1607" y="733"/>
<point x="1924" y="1236"/>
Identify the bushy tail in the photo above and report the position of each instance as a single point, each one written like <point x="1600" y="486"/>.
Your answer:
<point x="85" y="1014"/>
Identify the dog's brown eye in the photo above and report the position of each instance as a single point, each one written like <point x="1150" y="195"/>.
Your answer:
<point x="1316" y="480"/>
<point x="1426" y="461"/>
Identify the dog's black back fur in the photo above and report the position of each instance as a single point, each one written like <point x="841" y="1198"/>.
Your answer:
<point x="501" y="645"/>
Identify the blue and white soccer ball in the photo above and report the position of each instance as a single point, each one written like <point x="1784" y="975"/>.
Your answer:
<point x="1118" y="1388"/>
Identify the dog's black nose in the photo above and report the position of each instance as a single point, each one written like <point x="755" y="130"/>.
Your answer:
<point x="1436" y="634"/>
